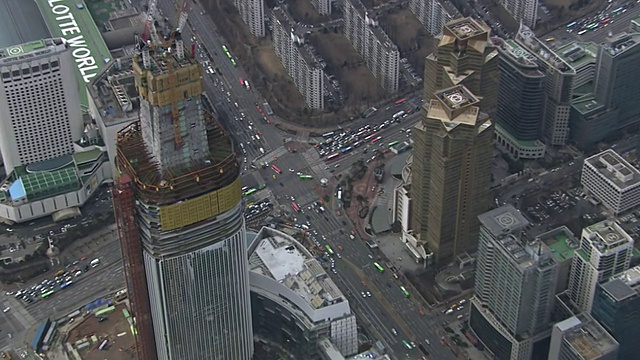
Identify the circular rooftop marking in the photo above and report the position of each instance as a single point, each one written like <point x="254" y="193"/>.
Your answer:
<point x="15" y="50"/>
<point x="612" y="236"/>
<point x="506" y="220"/>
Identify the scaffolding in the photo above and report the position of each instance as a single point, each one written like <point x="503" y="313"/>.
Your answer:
<point x="131" y="247"/>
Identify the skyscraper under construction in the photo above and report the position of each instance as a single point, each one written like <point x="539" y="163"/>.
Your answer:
<point x="179" y="215"/>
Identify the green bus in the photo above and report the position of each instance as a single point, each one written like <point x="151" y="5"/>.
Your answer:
<point x="47" y="294"/>
<point x="224" y="48"/>
<point x="329" y="249"/>
<point x="249" y="192"/>
<point x="393" y="143"/>
<point x="306" y="177"/>
<point x="229" y="56"/>
<point x="234" y="63"/>
<point x="407" y="345"/>
<point x="404" y="291"/>
<point x="380" y="268"/>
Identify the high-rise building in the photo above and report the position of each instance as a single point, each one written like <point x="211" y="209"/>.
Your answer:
<point x="295" y="304"/>
<point x="371" y="42"/>
<point x="301" y="64"/>
<point x="180" y="217"/>
<point x="605" y="250"/>
<point x="451" y="172"/>
<point x="323" y="7"/>
<point x="515" y="286"/>
<point x="611" y="106"/>
<point x="580" y="337"/>
<point x="612" y="180"/>
<point x="252" y="13"/>
<point x="617" y="307"/>
<point x="431" y="13"/>
<point x="39" y="103"/>
<point x="520" y="98"/>
<point x="559" y="87"/>
<point x="465" y="56"/>
<point x="524" y="11"/>
<point x="582" y="58"/>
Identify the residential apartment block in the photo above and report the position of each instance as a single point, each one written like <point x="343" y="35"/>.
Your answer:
<point x="431" y="13"/>
<point x="559" y="87"/>
<point x="369" y="40"/>
<point x="524" y="11"/>
<point x="323" y="7"/>
<point x="252" y="12"/>
<point x="605" y="250"/>
<point x="612" y="180"/>
<point x="301" y="64"/>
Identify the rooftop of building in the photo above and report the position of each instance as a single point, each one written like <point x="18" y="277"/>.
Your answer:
<point x="578" y="54"/>
<point x="587" y="104"/>
<point x="561" y="242"/>
<point x="528" y="40"/>
<point x="21" y="22"/>
<point x="619" y="44"/>
<point x="373" y="25"/>
<point x="281" y="257"/>
<point x="466" y="28"/>
<point x="26" y="51"/>
<point x="613" y="167"/>
<point x="525" y="61"/>
<point x="114" y="93"/>
<point x="297" y="36"/>
<point x="587" y="337"/>
<point x="606" y="235"/>
<point x="125" y="18"/>
<point x="624" y="285"/>
<point x="88" y="35"/>
<point x="454" y="106"/>
<point x="503" y="220"/>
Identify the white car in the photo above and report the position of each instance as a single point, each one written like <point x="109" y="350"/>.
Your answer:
<point x="6" y="310"/>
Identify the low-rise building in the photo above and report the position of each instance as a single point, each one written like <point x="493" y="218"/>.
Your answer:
<point x="612" y="180"/>
<point x="581" y="338"/>
<point x="295" y="303"/>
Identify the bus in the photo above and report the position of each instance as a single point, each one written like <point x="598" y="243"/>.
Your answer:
<point x="376" y="139"/>
<point x="361" y="132"/>
<point x="407" y="345"/>
<point x="328" y="135"/>
<point x="229" y="56"/>
<point x="393" y="143"/>
<point x="582" y="32"/>
<point x="378" y="267"/>
<point x="572" y="24"/>
<point x="47" y="294"/>
<point x="67" y="284"/>
<point x="606" y="21"/>
<point x="370" y="137"/>
<point x="295" y="206"/>
<point x="333" y="156"/>
<point x="224" y="48"/>
<point x="234" y="63"/>
<point x="398" y="115"/>
<point x="401" y="101"/>
<point x="306" y="177"/>
<point x="346" y="150"/>
<point x="404" y="291"/>
<point x="249" y="192"/>
<point x="329" y="249"/>
<point x="276" y="169"/>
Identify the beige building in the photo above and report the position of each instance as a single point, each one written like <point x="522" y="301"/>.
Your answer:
<point x="450" y="173"/>
<point x="465" y="56"/>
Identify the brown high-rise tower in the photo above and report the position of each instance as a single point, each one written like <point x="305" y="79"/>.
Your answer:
<point x="451" y="172"/>
<point x="464" y="56"/>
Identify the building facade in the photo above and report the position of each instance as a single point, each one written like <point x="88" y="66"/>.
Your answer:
<point x="559" y="87"/>
<point x="369" y="40"/>
<point x="523" y="11"/>
<point x="465" y="56"/>
<point x="520" y="98"/>
<point x="431" y="14"/>
<point x="451" y="172"/>
<point x="323" y="7"/>
<point x="617" y="307"/>
<point x="252" y="13"/>
<point x="581" y="338"/>
<point x="605" y="250"/>
<point x="582" y="58"/>
<point x="612" y="180"/>
<point x="314" y="309"/>
<point x="301" y="64"/>
<point x="180" y="218"/>
<point x="39" y="103"/>
<point x="515" y="286"/>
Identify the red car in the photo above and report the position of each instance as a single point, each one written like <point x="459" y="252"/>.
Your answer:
<point x="421" y="312"/>
<point x="364" y="283"/>
<point x="340" y="247"/>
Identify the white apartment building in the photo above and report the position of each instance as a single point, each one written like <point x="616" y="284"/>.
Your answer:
<point x="605" y="250"/>
<point x="323" y="7"/>
<point x="524" y="11"/>
<point x="378" y="51"/>
<point x="39" y="103"/>
<point x="431" y="14"/>
<point x="301" y="64"/>
<point x="612" y="180"/>
<point x="252" y="12"/>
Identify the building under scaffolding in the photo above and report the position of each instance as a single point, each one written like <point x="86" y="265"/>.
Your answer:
<point x="179" y="215"/>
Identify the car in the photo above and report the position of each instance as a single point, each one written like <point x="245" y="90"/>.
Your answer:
<point x="363" y="283"/>
<point x="448" y="312"/>
<point x="394" y="331"/>
<point x="370" y="256"/>
<point x="368" y="294"/>
<point x="340" y="247"/>
<point x="364" y="295"/>
<point x="413" y="344"/>
<point x="6" y="310"/>
<point x="427" y="341"/>
<point x="421" y="312"/>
